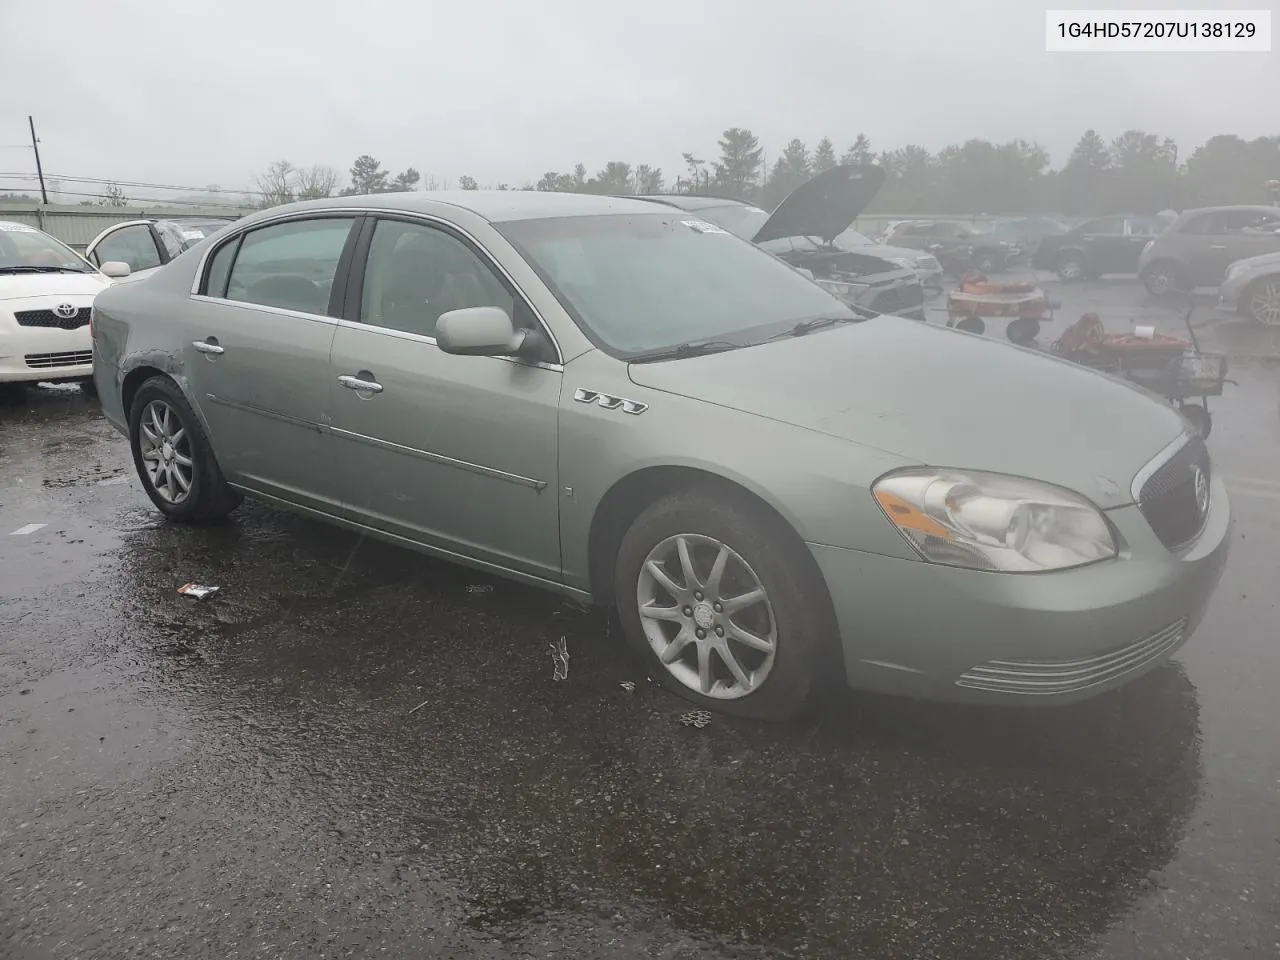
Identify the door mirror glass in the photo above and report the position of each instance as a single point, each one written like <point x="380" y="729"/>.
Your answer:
<point x="116" y="269"/>
<point x="479" y="332"/>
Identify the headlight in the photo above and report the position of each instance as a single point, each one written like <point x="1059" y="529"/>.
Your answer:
<point x="845" y="291"/>
<point x="988" y="521"/>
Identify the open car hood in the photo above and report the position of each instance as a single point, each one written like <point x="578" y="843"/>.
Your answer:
<point x="825" y="206"/>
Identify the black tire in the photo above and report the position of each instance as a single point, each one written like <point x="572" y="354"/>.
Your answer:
<point x="806" y="651"/>
<point x="1259" y="300"/>
<point x="1071" y="266"/>
<point x="971" y="325"/>
<point x="11" y="394"/>
<point x="1023" y="331"/>
<point x="1165" y="277"/>
<point x="209" y="498"/>
<point x="89" y="388"/>
<point x="1199" y="418"/>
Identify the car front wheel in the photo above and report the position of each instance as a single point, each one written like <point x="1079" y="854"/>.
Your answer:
<point x="722" y="601"/>
<point x="173" y="458"/>
<point x="1164" y="277"/>
<point x="1071" y="266"/>
<point x="1261" y="301"/>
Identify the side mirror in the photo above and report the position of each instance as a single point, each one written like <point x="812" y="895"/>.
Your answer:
<point x="479" y="332"/>
<point x="116" y="269"/>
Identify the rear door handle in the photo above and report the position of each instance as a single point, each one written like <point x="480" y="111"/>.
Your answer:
<point x="1217" y="246"/>
<point x="356" y="383"/>
<point x="208" y="346"/>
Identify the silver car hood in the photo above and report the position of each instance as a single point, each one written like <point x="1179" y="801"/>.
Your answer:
<point x="940" y="397"/>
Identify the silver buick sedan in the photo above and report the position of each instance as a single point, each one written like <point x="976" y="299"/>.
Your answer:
<point x="629" y="405"/>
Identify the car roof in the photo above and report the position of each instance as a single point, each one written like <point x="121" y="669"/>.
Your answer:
<point x="496" y="206"/>
<point x="1225" y="208"/>
<point x="686" y="201"/>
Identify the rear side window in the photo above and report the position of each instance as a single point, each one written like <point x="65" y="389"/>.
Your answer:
<point x="1107" y="225"/>
<point x="215" y="284"/>
<point x="288" y="265"/>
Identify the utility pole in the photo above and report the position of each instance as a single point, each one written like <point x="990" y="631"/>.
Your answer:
<point x="35" y="145"/>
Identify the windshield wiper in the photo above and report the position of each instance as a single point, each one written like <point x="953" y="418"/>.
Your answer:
<point x="31" y="269"/>
<point x="682" y="350"/>
<point x="808" y="325"/>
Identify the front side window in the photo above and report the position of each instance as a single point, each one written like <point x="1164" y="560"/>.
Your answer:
<point x="24" y="249"/>
<point x="289" y="265"/>
<point x="645" y="282"/>
<point x="1107" y="226"/>
<point x="132" y="245"/>
<point x="415" y="273"/>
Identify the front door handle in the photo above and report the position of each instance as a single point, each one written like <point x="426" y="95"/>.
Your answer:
<point x="209" y="346"/>
<point x="359" y="384"/>
<point x="1217" y="246"/>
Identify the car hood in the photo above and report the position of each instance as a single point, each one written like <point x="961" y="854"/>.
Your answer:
<point x="22" y="286"/>
<point x="1262" y="260"/>
<point x="950" y="399"/>
<point x="885" y="252"/>
<point x="824" y="206"/>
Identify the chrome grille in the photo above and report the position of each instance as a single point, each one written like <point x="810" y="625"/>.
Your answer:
<point x="896" y="299"/>
<point x="1041" y="677"/>
<point x="68" y="358"/>
<point x="1168" y="497"/>
<point x="47" y="318"/>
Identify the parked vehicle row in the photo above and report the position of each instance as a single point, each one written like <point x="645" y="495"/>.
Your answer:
<point x="46" y="295"/>
<point x="621" y="401"/>
<point x="147" y="245"/>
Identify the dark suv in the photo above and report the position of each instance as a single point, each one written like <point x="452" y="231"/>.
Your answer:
<point x="960" y="247"/>
<point x="1097" y="247"/>
<point x="1199" y="246"/>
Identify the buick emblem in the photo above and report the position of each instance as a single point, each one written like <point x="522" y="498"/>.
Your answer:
<point x="1202" y="489"/>
<point x="66" y="311"/>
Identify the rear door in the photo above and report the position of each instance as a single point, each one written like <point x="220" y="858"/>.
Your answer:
<point x="1106" y="247"/>
<point x="456" y="452"/>
<point x="1140" y="231"/>
<point x="257" y="340"/>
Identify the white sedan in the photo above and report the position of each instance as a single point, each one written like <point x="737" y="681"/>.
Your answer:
<point x="147" y="245"/>
<point x="46" y="292"/>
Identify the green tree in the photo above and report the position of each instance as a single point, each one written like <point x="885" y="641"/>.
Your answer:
<point x="824" y="155"/>
<point x="1229" y="169"/>
<point x="738" y="169"/>
<point x="859" y="152"/>
<point x="405" y="182"/>
<point x="615" y="178"/>
<point x="699" y="176"/>
<point x="789" y="171"/>
<point x="1082" y="182"/>
<point x="467" y="183"/>
<point x="367" y="176"/>
<point x="648" y="180"/>
<point x="1145" y="174"/>
<point x="912" y="181"/>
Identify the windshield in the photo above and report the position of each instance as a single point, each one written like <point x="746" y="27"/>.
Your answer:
<point x="24" y="247"/>
<point x="738" y="218"/>
<point x="640" y="283"/>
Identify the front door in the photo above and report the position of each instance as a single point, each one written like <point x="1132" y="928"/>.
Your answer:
<point x="459" y="453"/>
<point x="256" y="352"/>
<point x="1107" y="248"/>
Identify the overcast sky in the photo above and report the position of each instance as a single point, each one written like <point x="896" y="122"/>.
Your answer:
<point x="204" y="93"/>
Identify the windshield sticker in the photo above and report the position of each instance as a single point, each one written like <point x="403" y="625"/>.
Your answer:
<point x="192" y="235"/>
<point x="701" y="226"/>
<point x="18" y="228"/>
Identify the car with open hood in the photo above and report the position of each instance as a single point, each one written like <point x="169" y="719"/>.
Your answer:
<point x="147" y="245"/>
<point x="46" y="297"/>
<point x="604" y="398"/>
<point x="804" y="229"/>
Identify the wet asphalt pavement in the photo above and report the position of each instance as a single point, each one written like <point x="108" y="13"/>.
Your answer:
<point x="247" y="776"/>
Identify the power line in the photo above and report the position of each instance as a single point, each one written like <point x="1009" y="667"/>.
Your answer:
<point x="129" y="183"/>
<point x="156" y="201"/>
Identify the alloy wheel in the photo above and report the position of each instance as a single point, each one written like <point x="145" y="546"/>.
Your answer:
<point x="1264" y="304"/>
<point x="707" y="616"/>
<point x="166" y="452"/>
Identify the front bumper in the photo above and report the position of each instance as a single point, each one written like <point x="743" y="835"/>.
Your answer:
<point x="1230" y="291"/>
<point x="32" y="354"/>
<point x="941" y="633"/>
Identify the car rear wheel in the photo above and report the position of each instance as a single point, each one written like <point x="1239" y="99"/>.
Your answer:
<point x="173" y="458"/>
<point x="1164" y="277"/>
<point x="1261" y="301"/>
<point x="721" y="600"/>
<point x="1070" y="266"/>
